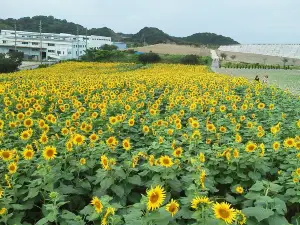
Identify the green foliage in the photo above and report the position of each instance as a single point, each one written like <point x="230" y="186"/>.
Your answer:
<point x="10" y="62"/>
<point x="109" y="47"/>
<point x="190" y="60"/>
<point x="243" y="65"/>
<point x="209" y="39"/>
<point x="150" y="35"/>
<point x="94" y="55"/>
<point x="149" y="58"/>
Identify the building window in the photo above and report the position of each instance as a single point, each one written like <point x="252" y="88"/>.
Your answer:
<point x="35" y="49"/>
<point x="35" y="43"/>
<point x="58" y="52"/>
<point x="24" y="43"/>
<point x="4" y="42"/>
<point x="50" y="44"/>
<point x="51" y="51"/>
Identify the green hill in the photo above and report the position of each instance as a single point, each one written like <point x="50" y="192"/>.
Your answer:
<point x="209" y="39"/>
<point x="150" y="35"/>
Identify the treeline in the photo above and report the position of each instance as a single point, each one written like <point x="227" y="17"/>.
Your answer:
<point x="253" y="66"/>
<point x="108" y="53"/>
<point x="148" y="35"/>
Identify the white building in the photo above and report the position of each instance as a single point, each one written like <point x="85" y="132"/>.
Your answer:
<point x="53" y="46"/>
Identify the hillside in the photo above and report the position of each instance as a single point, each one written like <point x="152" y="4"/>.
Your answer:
<point x="210" y="38"/>
<point x="150" y="35"/>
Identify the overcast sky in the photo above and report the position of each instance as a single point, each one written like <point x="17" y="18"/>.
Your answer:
<point x="246" y="21"/>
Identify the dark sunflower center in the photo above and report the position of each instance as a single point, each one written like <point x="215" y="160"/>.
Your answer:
<point x="172" y="208"/>
<point x="224" y="213"/>
<point x="166" y="161"/>
<point x="153" y="198"/>
<point x="50" y="153"/>
<point x="5" y="155"/>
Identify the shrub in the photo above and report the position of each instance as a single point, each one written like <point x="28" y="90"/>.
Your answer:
<point x="11" y="61"/>
<point x="149" y="58"/>
<point x="190" y="60"/>
<point x="109" y="47"/>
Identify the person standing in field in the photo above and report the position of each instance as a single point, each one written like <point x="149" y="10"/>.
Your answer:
<point x="265" y="80"/>
<point x="256" y="78"/>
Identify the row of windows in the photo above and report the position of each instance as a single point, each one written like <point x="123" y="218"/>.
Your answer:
<point x="79" y="46"/>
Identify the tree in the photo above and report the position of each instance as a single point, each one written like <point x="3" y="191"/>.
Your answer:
<point x="265" y="59"/>
<point x="149" y="58"/>
<point x="233" y="57"/>
<point x="10" y="62"/>
<point x="284" y="60"/>
<point x="109" y="47"/>
<point x="190" y="60"/>
<point x="223" y="55"/>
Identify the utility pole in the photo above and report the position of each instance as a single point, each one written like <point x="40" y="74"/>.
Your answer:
<point x="15" y="36"/>
<point x="86" y="39"/>
<point x="41" y="42"/>
<point x="77" y="37"/>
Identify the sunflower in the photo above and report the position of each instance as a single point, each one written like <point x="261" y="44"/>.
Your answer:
<point x="28" y="154"/>
<point x="131" y="122"/>
<point x="151" y="160"/>
<point x="28" y="122"/>
<point x="146" y="129"/>
<point x="82" y="161"/>
<point x="93" y="137"/>
<point x="110" y="210"/>
<point x="250" y="147"/>
<point x="3" y="211"/>
<point x="126" y="144"/>
<point x="200" y="200"/>
<point x="12" y="168"/>
<point x="210" y="127"/>
<point x="172" y="207"/>
<point x="222" y="108"/>
<point x="223" y="129"/>
<point x="276" y="145"/>
<point x="104" y="162"/>
<point x="25" y="135"/>
<point x="49" y="152"/>
<point x="156" y="197"/>
<point x="240" y="217"/>
<point x="97" y="204"/>
<point x="261" y="106"/>
<point x="6" y="155"/>
<point x="289" y="142"/>
<point x="224" y="212"/>
<point x="64" y="131"/>
<point x="1" y="192"/>
<point x="112" y="142"/>
<point x="44" y="139"/>
<point x="165" y="161"/>
<point x="297" y="171"/>
<point x="239" y="190"/>
<point x="238" y="138"/>
<point x="78" y="139"/>
<point x="202" y="157"/>
<point x="177" y="152"/>
<point x="236" y="153"/>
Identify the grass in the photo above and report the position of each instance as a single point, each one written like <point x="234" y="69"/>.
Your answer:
<point x="285" y="79"/>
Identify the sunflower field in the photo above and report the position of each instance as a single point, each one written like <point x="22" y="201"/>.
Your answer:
<point x="113" y="144"/>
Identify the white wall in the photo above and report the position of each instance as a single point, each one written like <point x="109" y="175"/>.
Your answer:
<point x="281" y="50"/>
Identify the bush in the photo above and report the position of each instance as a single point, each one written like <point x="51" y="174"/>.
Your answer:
<point x="11" y="61"/>
<point x="149" y="58"/>
<point x="190" y="60"/>
<point x="109" y="47"/>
